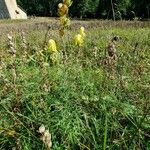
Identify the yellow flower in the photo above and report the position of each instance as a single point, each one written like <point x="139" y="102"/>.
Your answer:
<point x="78" y="40"/>
<point x="52" y="46"/>
<point x="82" y="33"/>
<point x="67" y="2"/>
<point x="62" y="9"/>
<point x="65" y="21"/>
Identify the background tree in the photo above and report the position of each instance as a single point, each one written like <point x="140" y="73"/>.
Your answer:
<point x="141" y="8"/>
<point x="123" y="9"/>
<point x="79" y="8"/>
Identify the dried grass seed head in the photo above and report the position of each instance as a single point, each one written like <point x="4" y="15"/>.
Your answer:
<point x="42" y="129"/>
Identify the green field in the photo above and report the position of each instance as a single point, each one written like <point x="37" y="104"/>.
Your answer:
<point x="85" y="102"/>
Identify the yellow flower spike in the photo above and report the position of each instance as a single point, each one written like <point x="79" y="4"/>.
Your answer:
<point x="52" y="46"/>
<point x="67" y="2"/>
<point x="82" y="32"/>
<point x="78" y="40"/>
<point x="65" y="21"/>
<point x="62" y="9"/>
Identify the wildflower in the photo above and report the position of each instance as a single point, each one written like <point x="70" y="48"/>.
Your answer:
<point x="65" y="21"/>
<point x="54" y="54"/>
<point x="67" y="2"/>
<point x="62" y="9"/>
<point x="52" y="46"/>
<point x="78" y="40"/>
<point x="45" y="136"/>
<point x="82" y="32"/>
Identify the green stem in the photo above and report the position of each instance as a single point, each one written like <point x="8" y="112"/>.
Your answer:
<point x="105" y="133"/>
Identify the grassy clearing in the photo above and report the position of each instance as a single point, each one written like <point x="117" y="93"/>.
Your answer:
<point x="85" y="103"/>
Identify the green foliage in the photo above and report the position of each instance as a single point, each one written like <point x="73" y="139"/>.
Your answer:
<point x="124" y="9"/>
<point x="84" y="8"/>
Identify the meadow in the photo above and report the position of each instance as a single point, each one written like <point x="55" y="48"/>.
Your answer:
<point x="85" y="99"/>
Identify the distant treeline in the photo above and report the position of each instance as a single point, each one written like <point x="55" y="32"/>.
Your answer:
<point x="104" y="9"/>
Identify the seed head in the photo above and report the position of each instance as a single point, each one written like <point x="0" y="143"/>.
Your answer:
<point x="42" y="129"/>
<point x="49" y="145"/>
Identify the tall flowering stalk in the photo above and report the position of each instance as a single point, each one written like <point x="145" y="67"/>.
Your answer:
<point x="63" y="9"/>
<point x="111" y="56"/>
<point x="11" y="48"/>
<point x="52" y="50"/>
<point x="12" y="52"/>
<point x="79" y="41"/>
<point x="79" y="38"/>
